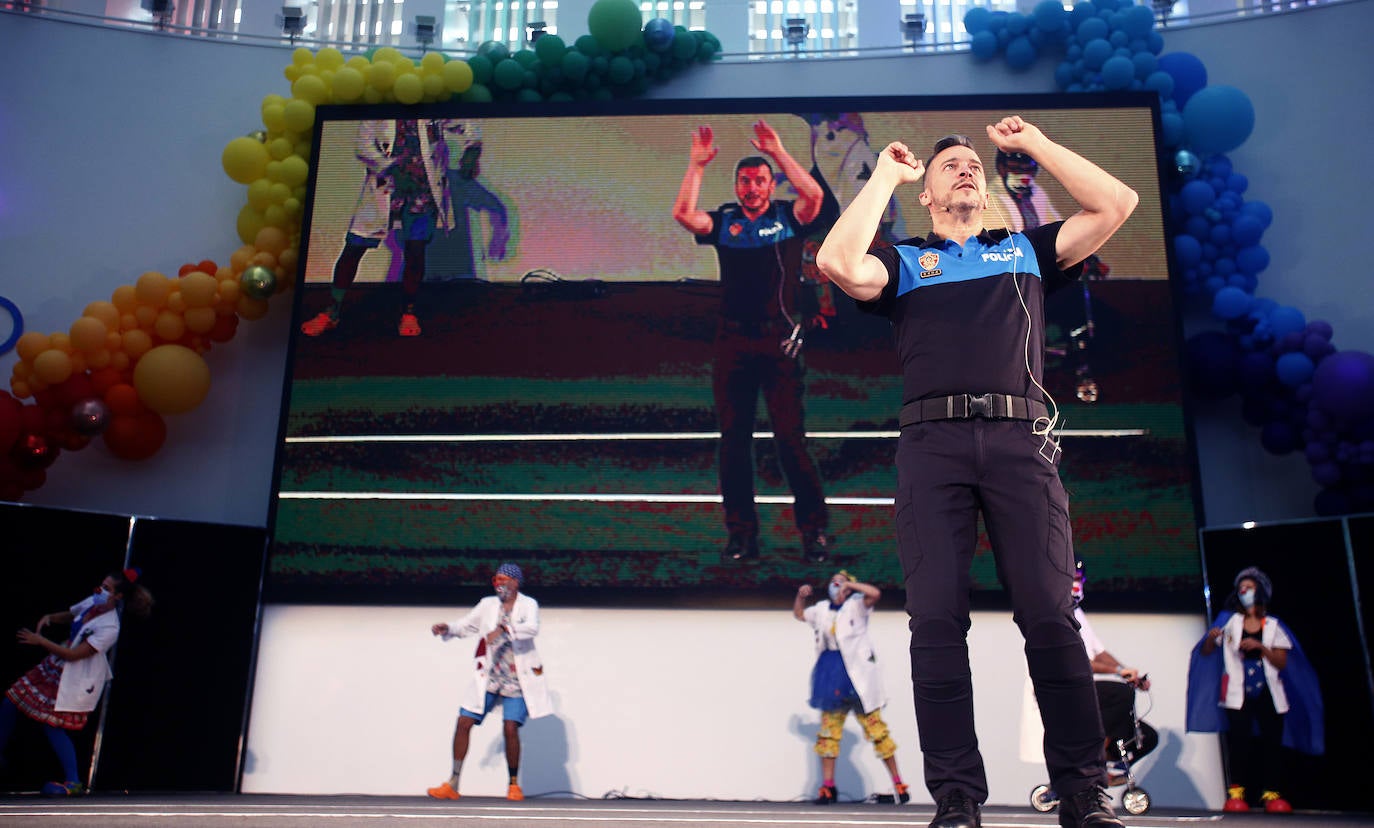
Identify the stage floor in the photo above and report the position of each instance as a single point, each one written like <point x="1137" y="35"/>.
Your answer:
<point x="294" y="811"/>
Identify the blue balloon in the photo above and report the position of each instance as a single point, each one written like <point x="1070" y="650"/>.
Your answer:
<point x="658" y="34"/>
<point x="1117" y="73"/>
<point x="1171" y="127"/>
<point x="1188" y="72"/>
<point x="1197" y="196"/>
<point x="1186" y="163"/>
<point x="977" y="19"/>
<point x="1021" y="53"/>
<point x="1050" y="16"/>
<point x="1161" y="82"/>
<point x="1096" y="52"/>
<point x="1343" y="386"/>
<point x="1231" y="303"/>
<point x="984" y="45"/>
<point x="1064" y="74"/>
<point x="1154" y="41"/>
<point x="1018" y="23"/>
<point x="1145" y="64"/>
<point x="1187" y="250"/>
<point x="1237" y="183"/>
<point x="1218" y="119"/>
<point x="1284" y="320"/>
<point x="1259" y="210"/>
<point x="1137" y="21"/>
<point x="1294" y="369"/>
<point x="1252" y="259"/>
<point x="1093" y="28"/>
<point x="1246" y="229"/>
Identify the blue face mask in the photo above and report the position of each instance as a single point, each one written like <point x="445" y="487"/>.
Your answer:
<point x="835" y="591"/>
<point x="1247" y="599"/>
<point x="101" y="596"/>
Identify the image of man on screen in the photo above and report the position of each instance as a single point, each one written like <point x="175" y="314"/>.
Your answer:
<point x="454" y="255"/>
<point x="978" y="436"/>
<point x="405" y="162"/>
<point x="758" y="342"/>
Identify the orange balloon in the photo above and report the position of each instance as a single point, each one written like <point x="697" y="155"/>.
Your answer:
<point x="137" y="342"/>
<point x="169" y="326"/>
<point x="200" y="320"/>
<point x="152" y="289"/>
<point x="103" y="379"/>
<point x="104" y="311"/>
<point x="52" y="366"/>
<point x="125" y="298"/>
<point x="88" y="334"/>
<point x="272" y="240"/>
<point x="31" y="345"/>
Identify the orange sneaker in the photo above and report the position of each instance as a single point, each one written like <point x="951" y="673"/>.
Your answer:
<point x="444" y="791"/>
<point x="514" y="794"/>
<point x="410" y="326"/>
<point x="903" y="791"/>
<point x="318" y="324"/>
<point x="1275" y="804"/>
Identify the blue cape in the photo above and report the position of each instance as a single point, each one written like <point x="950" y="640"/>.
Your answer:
<point x="1303" y="727"/>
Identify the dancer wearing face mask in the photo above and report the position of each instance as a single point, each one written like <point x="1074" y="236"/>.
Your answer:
<point x="1261" y="691"/>
<point x="846" y="676"/>
<point x="507" y="671"/>
<point x="61" y="691"/>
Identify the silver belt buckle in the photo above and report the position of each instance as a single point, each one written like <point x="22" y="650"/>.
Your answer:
<point x="979" y="405"/>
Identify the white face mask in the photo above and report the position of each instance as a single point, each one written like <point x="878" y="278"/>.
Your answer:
<point x="101" y="596"/>
<point x="835" y="591"/>
<point x="1247" y="598"/>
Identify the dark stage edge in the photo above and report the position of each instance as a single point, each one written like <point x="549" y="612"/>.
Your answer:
<point x="273" y="811"/>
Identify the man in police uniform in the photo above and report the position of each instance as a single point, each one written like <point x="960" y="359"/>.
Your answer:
<point x="976" y="434"/>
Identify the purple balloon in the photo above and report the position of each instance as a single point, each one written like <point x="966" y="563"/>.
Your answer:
<point x="1343" y="386"/>
<point x="90" y="416"/>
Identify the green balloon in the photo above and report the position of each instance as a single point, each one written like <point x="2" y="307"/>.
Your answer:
<point x="481" y="69"/>
<point x="684" y="44"/>
<point x="550" y="49"/>
<point x="614" y="23"/>
<point x="525" y="57"/>
<point x="587" y="45"/>
<point x="529" y="96"/>
<point x="508" y="74"/>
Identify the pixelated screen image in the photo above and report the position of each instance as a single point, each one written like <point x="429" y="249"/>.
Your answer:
<point x="505" y="344"/>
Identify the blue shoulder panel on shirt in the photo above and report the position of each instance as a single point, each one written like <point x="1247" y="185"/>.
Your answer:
<point x="929" y="266"/>
<point x="739" y="231"/>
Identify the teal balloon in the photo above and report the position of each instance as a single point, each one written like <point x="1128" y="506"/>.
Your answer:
<point x="1186" y="163"/>
<point x="1218" y="119"/>
<point x="508" y="74"/>
<point x="258" y="282"/>
<point x="575" y="65"/>
<point x="494" y="51"/>
<point x="615" y="23"/>
<point x="526" y="57"/>
<point x="529" y="96"/>
<point x="477" y="93"/>
<point x="481" y="69"/>
<point x="587" y="45"/>
<point x="621" y="70"/>
<point x="550" y="49"/>
<point x="684" y="44"/>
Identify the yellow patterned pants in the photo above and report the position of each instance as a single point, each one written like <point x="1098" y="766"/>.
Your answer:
<point x="832" y="728"/>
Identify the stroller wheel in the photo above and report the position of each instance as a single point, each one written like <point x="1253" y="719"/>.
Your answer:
<point x="1044" y="799"/>
<point x="1136" y="801"/>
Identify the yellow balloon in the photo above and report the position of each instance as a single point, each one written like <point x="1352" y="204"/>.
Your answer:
<point x="434" y="88"/>
<point x="274" y="117"/>
<point x="457" y="76"/>
<point x="388" y="54"/>
<point x="245" y="159"/>
<point x="88" y="334"/>
<point x="432" y="62"/>
<point x="300" y="56"/>
<point x="382" y="76"/>
<point x="171" y="379"/>
<point x="279" y="148"/>
<point x="260" y="193"/>
<point x="249" y="222"/>
<point x="52" y="366"/>
<point x="348" y="85"/>
<point x="409" y="88"/>
<point x="329" y="58"/>
<point x="299" y="115"/>
<point x="311" y="88"/>
<point x="294" y="171"/>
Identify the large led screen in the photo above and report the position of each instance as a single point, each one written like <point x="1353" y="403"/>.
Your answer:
<point x="529" y="378"/>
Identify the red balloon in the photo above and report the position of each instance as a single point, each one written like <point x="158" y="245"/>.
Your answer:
<point x="33" y="451"/>
<point x="73" y="389"/>
<point x="11" y="421"/>
<point x="135" y="436"/>
<point x="33" y="419"/>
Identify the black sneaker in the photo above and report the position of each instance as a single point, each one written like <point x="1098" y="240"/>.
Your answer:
<point x="741" y="548"/>
<point x="1089" y="808"/>
<point x="817" y="545"/>
<point x="956" y="810"/>
<point x="826" y="796"/>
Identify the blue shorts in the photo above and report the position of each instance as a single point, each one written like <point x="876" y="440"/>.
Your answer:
<point x="414" y="227"/>
<point x="512" y="709"/>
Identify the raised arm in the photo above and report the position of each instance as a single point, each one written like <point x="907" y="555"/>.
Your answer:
<point x="809" y="192"/>
<point x="799" y="603"/>
<point x="843" y="257"/>
<point x="685" y="209"/>
<point x="870" y="593"/>
<point x="1104" y="203"/>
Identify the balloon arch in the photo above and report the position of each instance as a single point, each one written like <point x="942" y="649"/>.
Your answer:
<point x="132" y="360"/>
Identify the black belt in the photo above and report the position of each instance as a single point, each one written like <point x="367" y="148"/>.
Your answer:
<point x="967" y="406"/>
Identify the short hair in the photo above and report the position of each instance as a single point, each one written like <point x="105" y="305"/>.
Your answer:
<point x="955" y="140"/>
<point x="754" y="161"/>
